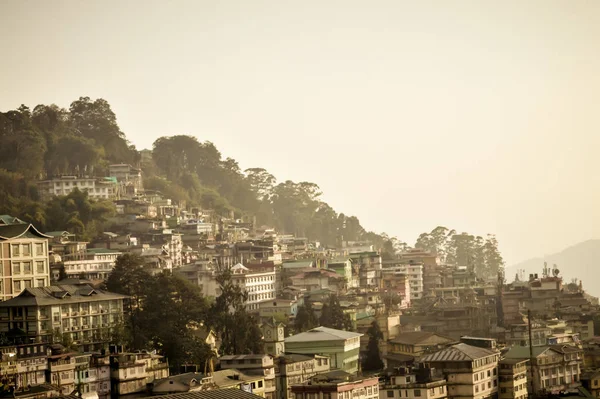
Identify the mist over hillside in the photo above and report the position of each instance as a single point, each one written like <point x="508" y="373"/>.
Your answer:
<point x="581" y="261"/>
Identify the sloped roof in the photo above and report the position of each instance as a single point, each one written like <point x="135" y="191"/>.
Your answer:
<point x="8" y="219"/>
<point x="458" y="353"/>
<point x="421" y="338"/>
<point x="322" y="334"/>
<point x="522" y="352"/>
<point x="63" y="294"/>
<point x="213" y="394"/>
<point x="12" y="231"/>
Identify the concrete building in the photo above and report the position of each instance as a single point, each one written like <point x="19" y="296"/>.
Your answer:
<point x="258" y="282"/>
<point x="84" y="313"/>
<point x="513" y="379"/>
<point x="368" y="267"/>
<point x="257" y="365"/>
<point x="419" y="383"/>
<point x="97" y="188"/>
<point x="343" y="267"/>
<point x="132" y="372"/>
<point x="335" y="383"/>
<point x="93" y="264"/>
<point x="287" y="308"/>
<point x="555" y="368"/>
<point x="24" y="259"/>
<point x="342" y="347"/>
<point x="294" y="369"/>
<point x="408" y="346"/>
<point x="470" y="371"/>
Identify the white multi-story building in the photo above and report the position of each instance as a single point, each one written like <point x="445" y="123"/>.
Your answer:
<point x="94" y="264"/>
<point x="259" y="283"/>
<point x="415" y="278"/>
<point x="96" y="188"/>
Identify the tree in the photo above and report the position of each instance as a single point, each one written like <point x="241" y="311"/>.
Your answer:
<point x="372" y="361"/>
<point x="305" y="318"/>
<point x="238" y="330"/>
<point x="333" y="316"/>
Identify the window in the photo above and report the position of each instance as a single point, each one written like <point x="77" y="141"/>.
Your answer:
<point x="41" y="282"/>
<point x="390" y="394"/>
<point x="15" y="249"/>
<point x="26" y="250"/>
<point x="27" y="283"/>
<point x="260" y="384"/>
<point x="39" y="249"/>
<point x="417" y="393"/>
<point x="489" y="384"/>
<point x="27" y="267"/>
<point x="39" y="266"/>
<point x="489" y="373"/>
<point x="16" y="268"/>
<point x="17" y="286"/>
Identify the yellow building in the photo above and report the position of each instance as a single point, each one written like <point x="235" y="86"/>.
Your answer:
<point x="23" y="259"/>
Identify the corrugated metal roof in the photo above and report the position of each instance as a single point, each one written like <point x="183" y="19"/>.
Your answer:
<point x="458" y="353"/>
<point x="322" y="334"/>
<point x="214" y="394"/>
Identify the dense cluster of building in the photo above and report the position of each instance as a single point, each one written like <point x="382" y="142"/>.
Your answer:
<point x="446" y="333"/>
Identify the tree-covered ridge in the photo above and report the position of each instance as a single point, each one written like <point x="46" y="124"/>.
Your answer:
<point x="480" y="254"/>
<point x="85" y="138"/>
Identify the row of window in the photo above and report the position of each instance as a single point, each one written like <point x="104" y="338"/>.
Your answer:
<point x="20" y="285"/>
<point x="26" y="267"/>
<point x="409" y="393"/>
<point x="483" y="386"/>
<point x="25" y="250"/>
<point x="481" y="375"/>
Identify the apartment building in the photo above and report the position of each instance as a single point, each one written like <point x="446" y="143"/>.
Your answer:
<point x="556" y="367"/>
<point x="408" y="346"/>
<point x="132" y="372"/>
<point x="97" y="188"/>
<point x="470" y="371"/>
<point x="513" y="379"/>
<point x="294" y="369"/>
<point x="24" y="261"/>
<point x="368" y="267"/>
<point x="342" y="347"/>
<point x="256" y="365"/>
<point x="93" y="264"/>
<point x="415" y="383"/>
<point x="259" y="283"/>
<point x="84" y="313"/>
<point x="337" y="384"/>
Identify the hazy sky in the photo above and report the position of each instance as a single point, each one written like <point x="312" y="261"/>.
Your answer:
<point x="480" y="116"/>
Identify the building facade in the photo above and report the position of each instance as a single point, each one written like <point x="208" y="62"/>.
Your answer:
<point x="85" y="314"/>
<point x="24" y="261"/>
<point x="342" y="347"/>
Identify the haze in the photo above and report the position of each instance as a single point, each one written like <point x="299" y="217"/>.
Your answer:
<point x="480" y="116"/>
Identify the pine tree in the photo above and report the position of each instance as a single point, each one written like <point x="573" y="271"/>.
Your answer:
<point x="373" y="360"/>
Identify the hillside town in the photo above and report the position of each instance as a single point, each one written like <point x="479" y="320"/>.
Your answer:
<point x="334" y="322"/>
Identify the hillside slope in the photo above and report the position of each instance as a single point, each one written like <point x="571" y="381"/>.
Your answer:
<point x="581" y="261"/>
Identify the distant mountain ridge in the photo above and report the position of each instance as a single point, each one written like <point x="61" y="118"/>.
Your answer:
<point x="581" y="261"/>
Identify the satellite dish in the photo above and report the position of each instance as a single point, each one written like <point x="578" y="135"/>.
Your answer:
<point x="555" y="272"/>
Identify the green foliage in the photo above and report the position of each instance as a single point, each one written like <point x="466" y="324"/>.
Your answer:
<point x="481" y="255"/>
<point x="305" y="318"/>
<point x="162" y="311"/>
<point x="372" y="361"/>
<point x="238" y="330"/>
<point x="333" y="316"/>
<point x="86" y="138"/>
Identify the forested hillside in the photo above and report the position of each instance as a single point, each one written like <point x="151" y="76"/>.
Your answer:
<point x="85" y="138"/>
